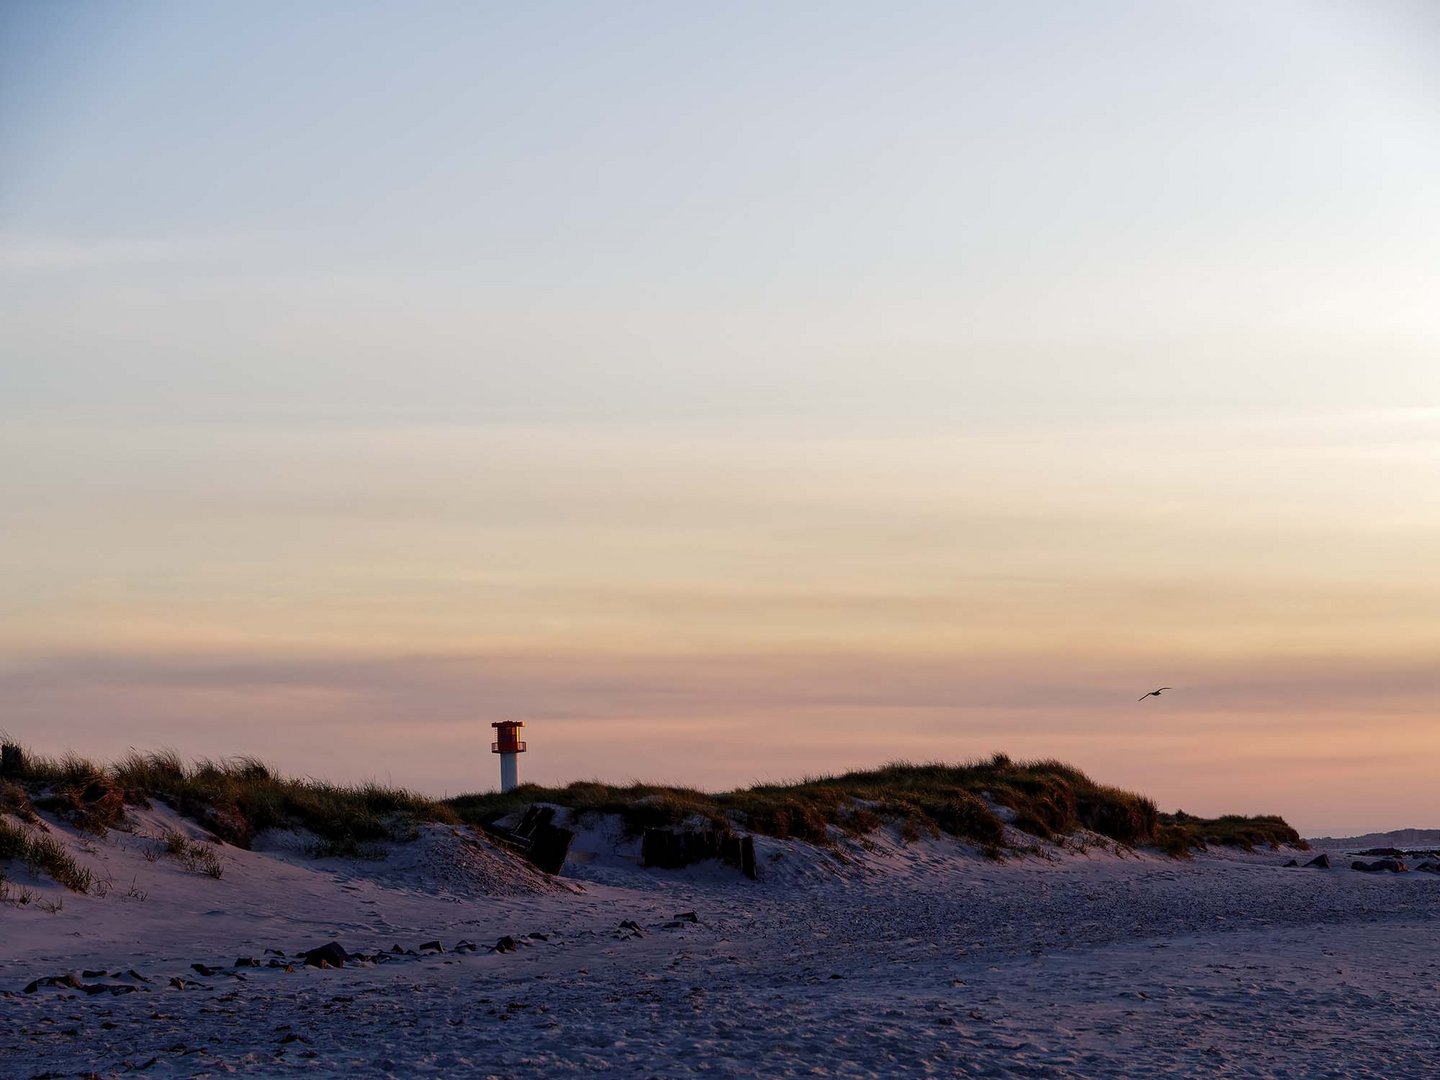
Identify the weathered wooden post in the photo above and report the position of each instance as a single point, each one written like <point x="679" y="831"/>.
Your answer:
<point x="12" y="760"/>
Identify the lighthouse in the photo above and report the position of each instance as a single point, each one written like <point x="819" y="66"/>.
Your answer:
<point x="507" y="744"/>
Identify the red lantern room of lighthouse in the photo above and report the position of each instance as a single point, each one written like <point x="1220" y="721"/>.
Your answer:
<point x="507" y="744"/>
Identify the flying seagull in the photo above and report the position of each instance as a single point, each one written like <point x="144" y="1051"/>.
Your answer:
<point x="1154" y="693"/>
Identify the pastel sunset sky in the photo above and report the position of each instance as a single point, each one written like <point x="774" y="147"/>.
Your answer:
<point x="730" y="392"/>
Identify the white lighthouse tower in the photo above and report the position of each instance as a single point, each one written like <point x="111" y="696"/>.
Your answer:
<point x="508" y="744"/>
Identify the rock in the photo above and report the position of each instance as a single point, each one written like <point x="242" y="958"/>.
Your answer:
<point x="328" y="955"/>
<point x="1322" y="861"/>
<point x="687" y="916"/>
<point x="507" y="944"/>
<point x="1292" y="862"/>
<point x="203" y="970"/>
<point x="1429" y="867"/>
<point x="178" y="983"/>
<point x="68" y="981"/>
<point x="94" y="974"/>
<point x="432" y="946"/>
<point x="112" y="989"/>
<point x="133" y="974"/>
<point x="1394" y="866"/>
<point x="466" y="946"/>
<point x="247" y="961"/>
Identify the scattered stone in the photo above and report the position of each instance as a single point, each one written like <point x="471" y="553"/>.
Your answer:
<point x="466" y="946"/>
<point x="94" y="974"/>
<point x="1394" y="866"/>
<point x="507" y="944"/>
<point x="204" y="970"/>
<point x="247" y="961"/>
<point x="1292" y="862"/>
<point x="688" y="916"/>
<point x="1322" y="861"/>
<point x="432" y="946"/>
<point x="538" y="937"/>
<point x="329" y="955"/>
<point x="67" y="981"/>
<point x="275" y="952"/>
<point x="114" y="989"/>
<point x="178" y="983"/>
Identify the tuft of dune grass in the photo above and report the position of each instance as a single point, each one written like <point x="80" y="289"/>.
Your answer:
<point x="42" y="853"/>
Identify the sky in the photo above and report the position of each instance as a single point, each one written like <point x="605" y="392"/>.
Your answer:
<point x="729" y="392"/>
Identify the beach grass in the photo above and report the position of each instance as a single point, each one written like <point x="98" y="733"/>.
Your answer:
<point x="1046" y="799"/>
<point x="42" y="853"/>
<point x="234" y="799"/>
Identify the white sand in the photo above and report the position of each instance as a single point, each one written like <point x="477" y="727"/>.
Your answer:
<point x="906" y="960"/>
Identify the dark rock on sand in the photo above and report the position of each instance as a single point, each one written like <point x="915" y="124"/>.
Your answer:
<point x="114" y="989"/>
<point x="328" y="955"/>
<point x="1394" y="866"/>
<point x="1322" y="861"/>
<point x="67" y="981"/>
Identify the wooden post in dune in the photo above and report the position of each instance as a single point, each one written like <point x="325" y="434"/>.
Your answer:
<point x="12" y="760"/>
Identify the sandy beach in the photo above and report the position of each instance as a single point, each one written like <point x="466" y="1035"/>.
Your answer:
<point x="904" y="959"/>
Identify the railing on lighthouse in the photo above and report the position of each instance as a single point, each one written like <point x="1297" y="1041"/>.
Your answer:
<point x="507" y="744"/>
